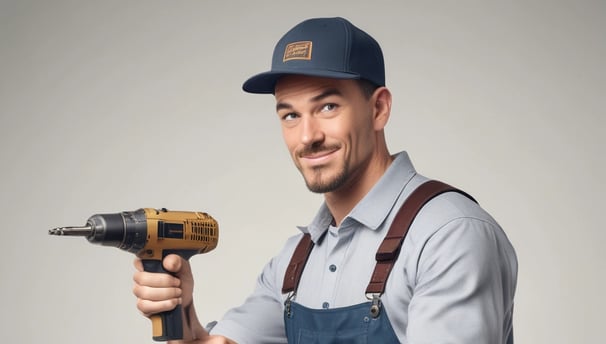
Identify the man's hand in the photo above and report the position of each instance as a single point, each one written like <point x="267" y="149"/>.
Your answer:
<point x="158" y="292"/>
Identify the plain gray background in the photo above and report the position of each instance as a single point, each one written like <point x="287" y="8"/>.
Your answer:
<point x="116" y="105"/>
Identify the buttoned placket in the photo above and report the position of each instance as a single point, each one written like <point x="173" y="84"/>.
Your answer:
<point x="336" y="243"/>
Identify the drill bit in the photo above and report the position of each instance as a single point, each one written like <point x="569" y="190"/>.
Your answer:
<point x="74" y="231"/>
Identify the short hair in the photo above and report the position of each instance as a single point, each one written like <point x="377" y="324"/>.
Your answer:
<point x="368" y="88"/>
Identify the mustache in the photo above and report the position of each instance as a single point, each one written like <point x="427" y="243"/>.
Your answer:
<point x="317" y="148"/>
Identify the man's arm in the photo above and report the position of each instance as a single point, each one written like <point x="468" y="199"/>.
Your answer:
<point x="464" y="285"/>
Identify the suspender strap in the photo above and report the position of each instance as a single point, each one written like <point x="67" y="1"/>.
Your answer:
<point x="388" y="252"/>
<point x="297" y="263"/>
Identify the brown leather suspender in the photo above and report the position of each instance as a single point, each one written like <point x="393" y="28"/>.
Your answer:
<point x="297" y="263"/>
<point x="388" y="252"/>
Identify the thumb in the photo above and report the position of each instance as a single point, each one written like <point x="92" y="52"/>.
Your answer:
<point x="175" y="264"/>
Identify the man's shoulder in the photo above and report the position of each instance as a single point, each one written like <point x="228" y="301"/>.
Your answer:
<point x="448" y="208"/>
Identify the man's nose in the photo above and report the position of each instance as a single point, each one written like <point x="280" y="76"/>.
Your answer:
<point x="311" y="130"/>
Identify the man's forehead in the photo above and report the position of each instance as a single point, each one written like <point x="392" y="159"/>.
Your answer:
<point x="292" y="84"/>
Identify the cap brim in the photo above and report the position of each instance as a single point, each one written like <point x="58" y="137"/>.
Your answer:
<point x="265" y="83"/>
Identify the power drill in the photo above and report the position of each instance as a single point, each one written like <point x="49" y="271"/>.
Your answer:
<point x="152" y="234"/>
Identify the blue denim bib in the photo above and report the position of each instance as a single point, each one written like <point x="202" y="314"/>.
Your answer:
<point x="351" y="325"/>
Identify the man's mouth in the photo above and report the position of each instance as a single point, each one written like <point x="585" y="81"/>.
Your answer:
<point x="318" y="156"/>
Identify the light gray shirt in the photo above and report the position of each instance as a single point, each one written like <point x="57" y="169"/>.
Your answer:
<point x="453" y="282"/>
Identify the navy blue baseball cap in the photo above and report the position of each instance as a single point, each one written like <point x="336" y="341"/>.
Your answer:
<point x="323" y="47"/>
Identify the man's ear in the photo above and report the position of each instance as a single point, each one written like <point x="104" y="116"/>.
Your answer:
<point x="381" y="99"/>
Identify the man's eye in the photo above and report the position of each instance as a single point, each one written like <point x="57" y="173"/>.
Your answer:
<point x="289" y="116"/>
<point x="329" y="107"/>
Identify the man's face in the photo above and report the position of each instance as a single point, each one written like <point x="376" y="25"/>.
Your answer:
<point x="328" y="128"/>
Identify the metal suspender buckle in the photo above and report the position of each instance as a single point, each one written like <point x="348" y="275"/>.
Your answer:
<point x="375" y="307"/>
<point x="287" y="303"/>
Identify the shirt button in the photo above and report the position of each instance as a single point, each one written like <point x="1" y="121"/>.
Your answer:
<point x="332" y="268"/>
<point x="325" y="305"/>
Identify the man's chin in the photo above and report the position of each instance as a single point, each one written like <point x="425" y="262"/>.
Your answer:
<point x="317" y="184"/>
<point x="318" y="188"/>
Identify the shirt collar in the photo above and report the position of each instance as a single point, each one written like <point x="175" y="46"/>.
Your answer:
<point x="372" y="210"/>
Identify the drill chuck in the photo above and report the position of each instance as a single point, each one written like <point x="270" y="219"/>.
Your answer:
<point x="126" y="230"/>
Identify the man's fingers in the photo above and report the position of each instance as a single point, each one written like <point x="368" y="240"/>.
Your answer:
<point x="152" y="300"/>
<point x="156" y="294"/>
<point x="149" y="308"/>
<point x="156" y="280"/>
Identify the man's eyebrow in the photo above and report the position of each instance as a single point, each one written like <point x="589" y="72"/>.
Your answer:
<point x="327" y="93"/>
<point x="283" y="106"/>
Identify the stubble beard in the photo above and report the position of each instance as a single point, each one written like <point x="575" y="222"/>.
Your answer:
<point x="318" y="182"/>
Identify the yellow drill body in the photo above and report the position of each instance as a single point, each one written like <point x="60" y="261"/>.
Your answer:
<point x="178" y="230"/>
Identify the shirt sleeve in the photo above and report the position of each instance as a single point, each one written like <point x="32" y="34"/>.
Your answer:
<point x="464" y="286"/>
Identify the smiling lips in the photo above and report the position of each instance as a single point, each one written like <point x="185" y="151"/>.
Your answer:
<point x="317" y="156"/>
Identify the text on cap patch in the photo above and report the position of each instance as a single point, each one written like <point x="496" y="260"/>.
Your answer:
<point x="298" y="51"/>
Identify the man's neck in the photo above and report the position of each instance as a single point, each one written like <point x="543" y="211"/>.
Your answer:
<point x="341" y="202"/>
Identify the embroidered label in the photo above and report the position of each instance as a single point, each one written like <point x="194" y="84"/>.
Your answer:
<point x="298" y="51"/>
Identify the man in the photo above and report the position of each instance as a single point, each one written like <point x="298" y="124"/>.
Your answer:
<point x="455" y="274"/>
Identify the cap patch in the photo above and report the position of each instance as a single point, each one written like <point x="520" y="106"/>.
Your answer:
<point x="297" y="51"/>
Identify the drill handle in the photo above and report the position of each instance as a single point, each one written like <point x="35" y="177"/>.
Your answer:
<point x="166" y="325"/>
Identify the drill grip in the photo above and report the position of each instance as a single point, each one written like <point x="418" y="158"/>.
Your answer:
<point x="166" y="325"/>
